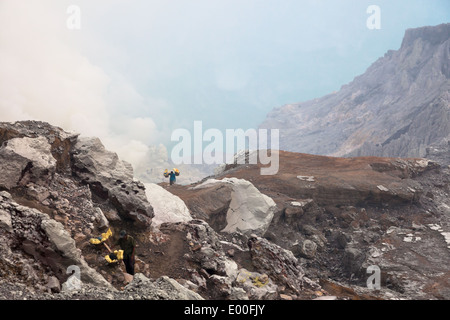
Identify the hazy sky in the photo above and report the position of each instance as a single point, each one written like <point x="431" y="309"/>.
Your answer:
<point x="137" y="70"/>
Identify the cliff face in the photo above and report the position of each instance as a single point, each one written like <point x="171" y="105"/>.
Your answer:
<point x="397" y="108"/>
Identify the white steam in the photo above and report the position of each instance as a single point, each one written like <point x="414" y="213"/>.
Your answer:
<point x="45" y="76"/>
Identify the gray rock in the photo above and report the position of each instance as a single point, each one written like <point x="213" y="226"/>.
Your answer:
<point x="353" y="260"/>
<point x="163" y="288"/>
<point x="61" y="239"/>
<point x="59" y="140"/>
<point x="23" y="159"/>
<point x="285" y="269"/>
<point x="111" y="178"/>
<point x="100" y="218"/>
<point x="47" y="241"/>
<point x="53" y="284"/>
<point x="5" y="221"/>
<point x="308" y="249"/>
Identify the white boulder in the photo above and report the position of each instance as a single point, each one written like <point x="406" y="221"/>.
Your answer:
<point x="250" y="211"/>
<point x="167" y="207"/>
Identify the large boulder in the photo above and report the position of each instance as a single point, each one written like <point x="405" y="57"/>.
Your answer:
<point x="60" y="141"/>
<point x="249" y="210"/>
<point x="209" y="204"/>
<point x="167" y="206"/>
<point x="45" y="239"/>
<point x="280" y="265"/>
<point x="65" y="245"/>
<point x="111" y="179"/>
<point x="25" y="159"/>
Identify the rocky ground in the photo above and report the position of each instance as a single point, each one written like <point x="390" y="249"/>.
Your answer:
<point x="339" y="216"/>
<point x="309" y="232"/>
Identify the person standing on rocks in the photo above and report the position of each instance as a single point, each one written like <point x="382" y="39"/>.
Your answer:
<point x="173" y="178"/>
<point x="128" y="245"/>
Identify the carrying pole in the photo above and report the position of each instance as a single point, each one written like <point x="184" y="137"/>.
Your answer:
<point x="107" y="247"/>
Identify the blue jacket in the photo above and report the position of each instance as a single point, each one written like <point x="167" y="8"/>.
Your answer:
<point x="172" y="176"/>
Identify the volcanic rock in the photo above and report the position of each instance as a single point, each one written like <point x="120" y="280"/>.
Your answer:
<point x="167" y="206"/>
<point x="111" y="179"/>
<point x="247" y="209"/>
<point x="25" y="159"/>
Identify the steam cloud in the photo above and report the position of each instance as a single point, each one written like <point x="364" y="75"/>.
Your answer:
<point x="45" y="76"/>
